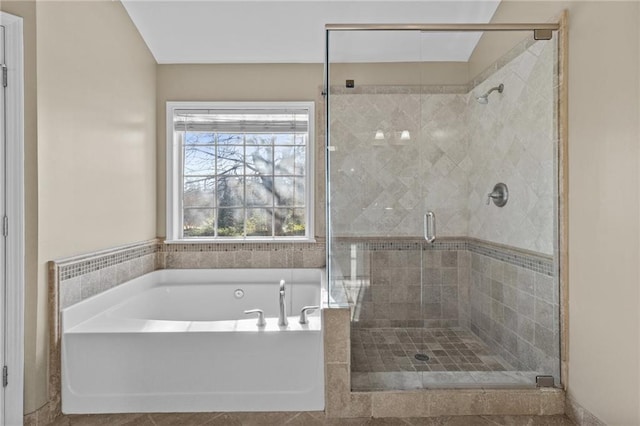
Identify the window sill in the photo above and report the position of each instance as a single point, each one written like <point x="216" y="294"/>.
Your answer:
<point x="241" y="240"/>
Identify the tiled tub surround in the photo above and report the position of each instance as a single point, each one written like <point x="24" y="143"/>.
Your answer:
<point x="84" y="276"/>
<point x="506" y="299"/>
<point x="458" y="150"/>
<point x="340" y="400"/>
<point x="74" y="279"/>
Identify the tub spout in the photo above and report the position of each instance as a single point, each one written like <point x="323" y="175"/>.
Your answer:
<point x="282" y="319"/>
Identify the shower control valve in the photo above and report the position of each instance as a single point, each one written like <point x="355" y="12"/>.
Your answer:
<point x="499" y="195"/>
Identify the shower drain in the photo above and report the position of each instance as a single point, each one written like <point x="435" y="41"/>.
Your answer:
<point x="421" y="357"/>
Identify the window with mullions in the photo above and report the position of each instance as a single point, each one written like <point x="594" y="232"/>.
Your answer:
<point x="240" y="170"/>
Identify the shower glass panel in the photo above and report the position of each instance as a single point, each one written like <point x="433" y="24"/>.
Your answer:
<point x="429" y="122"/>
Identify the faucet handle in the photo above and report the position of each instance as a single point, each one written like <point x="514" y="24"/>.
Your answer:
<point x="261" y="321"/>
<point x="303" y="313"/>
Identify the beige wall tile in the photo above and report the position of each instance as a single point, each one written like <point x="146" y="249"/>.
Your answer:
<point x="337" y="329"/>
<point x="400" y="404"/>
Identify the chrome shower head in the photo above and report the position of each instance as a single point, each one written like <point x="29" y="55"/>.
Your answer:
<point x="484" y="99"/>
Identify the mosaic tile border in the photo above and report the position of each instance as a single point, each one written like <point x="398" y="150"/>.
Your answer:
<point x="533" y="261"/>
<point x="81" y="265"/>
<point x="222" y="247"/>
<point x="401" y="244"/>
<point x="77" y="266"/>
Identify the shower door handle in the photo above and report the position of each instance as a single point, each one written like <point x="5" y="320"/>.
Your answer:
<point x="430" y="227"/>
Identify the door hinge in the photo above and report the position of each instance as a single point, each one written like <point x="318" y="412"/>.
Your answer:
<point x="5" y="376"/>
<point x="5" y="226"/>
<point x="4" y="75"/>
<point x="545" y="381"/>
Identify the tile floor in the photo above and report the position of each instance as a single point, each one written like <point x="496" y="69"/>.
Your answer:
<point x="393" y="349"/>
<point x="298" y="419"/>
<point x="384" y="359"/>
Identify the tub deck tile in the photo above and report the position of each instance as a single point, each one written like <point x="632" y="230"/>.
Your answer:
<point x="302" y="419"/>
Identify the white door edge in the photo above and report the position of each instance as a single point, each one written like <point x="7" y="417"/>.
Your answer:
<point x="14" y="399"/>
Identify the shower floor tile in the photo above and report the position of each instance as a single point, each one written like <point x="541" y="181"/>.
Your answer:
<point x="385" y="358"/>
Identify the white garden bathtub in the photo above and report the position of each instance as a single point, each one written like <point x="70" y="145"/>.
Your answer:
<point x="178" y="341"/>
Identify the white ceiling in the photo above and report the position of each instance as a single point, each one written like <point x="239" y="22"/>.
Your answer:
<point x="267" y="31"/>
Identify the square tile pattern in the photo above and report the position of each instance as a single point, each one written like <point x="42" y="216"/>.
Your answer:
<point x="394" y="349"/>
<point x="384" y="359"/>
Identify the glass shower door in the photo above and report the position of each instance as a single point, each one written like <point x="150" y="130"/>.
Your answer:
<point x="376" y="206"/>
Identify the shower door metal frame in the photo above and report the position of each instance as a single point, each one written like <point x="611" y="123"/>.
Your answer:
<point x="541" y="30"/>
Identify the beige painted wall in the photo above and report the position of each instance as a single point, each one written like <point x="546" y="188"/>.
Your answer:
<point x="604" y="214"/>
<point x="96" y="143"/>
<point x="437" y="73"/>
<point x="27" y="10"/>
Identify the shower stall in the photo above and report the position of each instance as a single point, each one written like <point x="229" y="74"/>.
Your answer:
<point x="442" y="203"/>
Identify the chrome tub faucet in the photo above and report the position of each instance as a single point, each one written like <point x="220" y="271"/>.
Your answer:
<point x="282" y="319"/>
<point x="303" y="313"/>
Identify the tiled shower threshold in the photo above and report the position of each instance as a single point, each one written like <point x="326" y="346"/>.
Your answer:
<point x="412" y="380"/>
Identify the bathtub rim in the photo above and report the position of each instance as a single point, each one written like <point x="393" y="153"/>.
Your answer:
<point x="100" y="304"/>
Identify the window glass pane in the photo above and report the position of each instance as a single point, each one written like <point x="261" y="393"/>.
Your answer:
<point x="259" y="160"/>
<point x="199" y="138"/>
<point x="299" y="195"/>
<point x="289" y="191"/>
<point x="284" y="139"/>
<point x="260" y="139"/>
<point x="230" y="160"/>
<point x="284" y="157"/>
<point x="289" y="223"/>
<point x="230" y="191"/>
<point x="300" y="160"/>
<point x="229" y="139"/>
<point x="231" y="222"/>
<point x="258" y="223"/>
<point x="198" y="222"/>
<point x="199" y="191"/>
<point x="199" y="160"/>
<point x="259" y="191"/>
<point x="300" y="139"/>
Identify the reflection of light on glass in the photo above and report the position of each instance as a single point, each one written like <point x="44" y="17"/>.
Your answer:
<point x="405" y="135"/>
<point x="379" y="135"/>
<point x="388" y="208"/>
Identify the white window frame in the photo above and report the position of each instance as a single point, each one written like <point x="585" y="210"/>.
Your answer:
<point x="174" y="172"/>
